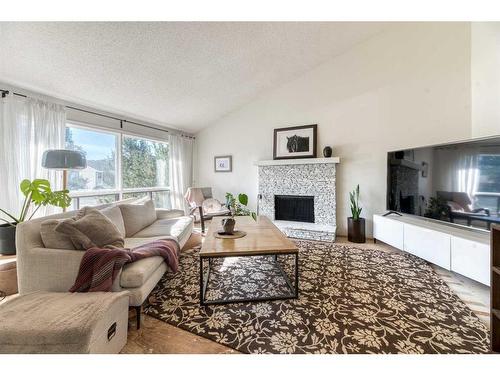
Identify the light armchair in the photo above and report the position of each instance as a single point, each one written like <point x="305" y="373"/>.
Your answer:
<point x="461" y="203"/>
<point x="203" y="206"/>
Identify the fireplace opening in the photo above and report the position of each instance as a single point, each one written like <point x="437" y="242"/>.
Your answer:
<point x="294" y="208"/>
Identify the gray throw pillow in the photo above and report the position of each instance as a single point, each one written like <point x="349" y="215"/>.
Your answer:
<point x="112" y="213"/>
<point x="137" y="216"/>
<point x="91" y="230"/>
<point x="52" y="239"/>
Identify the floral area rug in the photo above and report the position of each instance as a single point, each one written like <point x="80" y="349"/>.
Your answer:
<point x="351" y="301"/>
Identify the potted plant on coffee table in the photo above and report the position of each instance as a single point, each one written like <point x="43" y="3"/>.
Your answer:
<point x="36" y="193"/>
<point x="237" y="207"/>
<point x="355" y="223"/>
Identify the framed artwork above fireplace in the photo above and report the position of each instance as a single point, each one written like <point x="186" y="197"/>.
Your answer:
<point x="295" y="142"/>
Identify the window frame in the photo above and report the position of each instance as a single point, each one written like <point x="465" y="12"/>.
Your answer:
<point x="119" y="190"/>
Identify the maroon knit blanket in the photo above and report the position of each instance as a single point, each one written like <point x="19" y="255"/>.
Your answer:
<point x="100" y="266"/>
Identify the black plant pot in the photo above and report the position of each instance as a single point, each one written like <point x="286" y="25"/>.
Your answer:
<point x="7" y="239"/>
<point x="228" y="225"/>
<point x="356" y="230"/>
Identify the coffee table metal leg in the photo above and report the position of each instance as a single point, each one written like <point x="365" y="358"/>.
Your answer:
<point x="202" y="292"/>
<point x="285" y="276"/>
<point x="297" y="275"/>
<point x="204" y="281"/>
<point x="205" y="285"/>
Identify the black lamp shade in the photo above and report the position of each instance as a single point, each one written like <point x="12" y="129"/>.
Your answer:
<point x="64" y="159"/>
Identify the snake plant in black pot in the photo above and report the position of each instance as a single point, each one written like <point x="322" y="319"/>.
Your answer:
<point x="355" y="223"/>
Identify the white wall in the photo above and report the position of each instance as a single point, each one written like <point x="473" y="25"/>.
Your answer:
<point x="485" y="75"/>
<point x="408" y="87"/>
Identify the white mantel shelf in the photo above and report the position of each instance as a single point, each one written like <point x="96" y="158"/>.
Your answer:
<point x="332" y="160"/>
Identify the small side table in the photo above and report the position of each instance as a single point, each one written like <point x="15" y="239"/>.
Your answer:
<point x="8" y="276"/>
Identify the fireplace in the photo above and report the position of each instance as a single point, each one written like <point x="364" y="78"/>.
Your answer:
<point x="312" y="181"/>
<point x="294" y="208"/>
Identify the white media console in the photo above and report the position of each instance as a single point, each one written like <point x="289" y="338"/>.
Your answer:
<point x="463" y="251"/>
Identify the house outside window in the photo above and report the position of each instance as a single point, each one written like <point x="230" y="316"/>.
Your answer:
<point x="119" y="166"/>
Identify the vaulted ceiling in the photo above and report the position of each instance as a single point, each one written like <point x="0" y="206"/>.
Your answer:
<point x="181" y="74"/>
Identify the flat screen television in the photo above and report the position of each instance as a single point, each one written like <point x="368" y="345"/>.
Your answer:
<point x="457" y="183"/>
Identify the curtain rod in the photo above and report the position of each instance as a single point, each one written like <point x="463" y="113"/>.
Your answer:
<point x="6" y="92"/>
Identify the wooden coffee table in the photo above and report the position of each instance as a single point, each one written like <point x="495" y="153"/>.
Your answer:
<point x="263" y="238"/>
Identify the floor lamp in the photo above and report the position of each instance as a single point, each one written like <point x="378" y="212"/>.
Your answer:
<point x="64" y="160"/>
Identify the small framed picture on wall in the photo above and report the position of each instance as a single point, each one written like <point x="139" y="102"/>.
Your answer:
<point x="223" y="163"/>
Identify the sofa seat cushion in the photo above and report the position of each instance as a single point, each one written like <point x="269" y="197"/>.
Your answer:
<point x="135" y="274"/>
<point x="177" y="228"/>
<point x="132" y="242"/>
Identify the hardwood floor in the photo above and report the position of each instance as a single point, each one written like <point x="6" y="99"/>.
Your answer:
<point x="156" y="336"/>
<point x="475" y="295"/>
<point x="159" y="337"/>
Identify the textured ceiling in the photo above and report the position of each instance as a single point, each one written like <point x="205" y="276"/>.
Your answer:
<point x="185" y="75"/>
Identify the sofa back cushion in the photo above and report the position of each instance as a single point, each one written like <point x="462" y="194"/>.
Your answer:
<point x="91" y="228"/>
<point x="137" y="216"/>
<point x="52" y="239"/>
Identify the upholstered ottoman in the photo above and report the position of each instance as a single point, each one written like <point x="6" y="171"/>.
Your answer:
<point x="45" y="322"/>
<point x="8" y="276"/>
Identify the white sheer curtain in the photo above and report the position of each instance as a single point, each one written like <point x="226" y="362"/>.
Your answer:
<point x="181" y="169"/>
<point x="467" y="176"/>
<point x="28" y="127"/>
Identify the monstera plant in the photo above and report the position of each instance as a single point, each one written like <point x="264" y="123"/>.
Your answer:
<point x="37" y="193"/>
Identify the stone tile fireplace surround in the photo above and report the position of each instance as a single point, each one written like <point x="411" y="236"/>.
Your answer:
<point x="301" y="177"/>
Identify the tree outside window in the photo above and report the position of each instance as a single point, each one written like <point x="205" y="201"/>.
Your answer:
<point x="144" y="163"/>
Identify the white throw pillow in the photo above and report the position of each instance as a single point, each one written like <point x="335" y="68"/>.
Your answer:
<point x="211" y="205"/>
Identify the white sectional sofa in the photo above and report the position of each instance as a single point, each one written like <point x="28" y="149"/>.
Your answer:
<point x="54" y="270"/>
